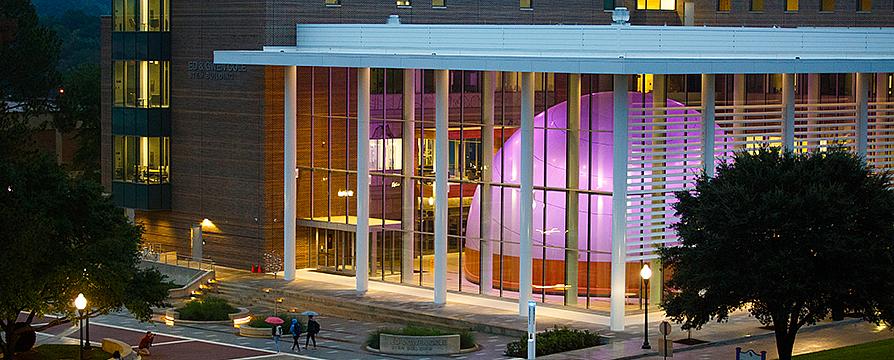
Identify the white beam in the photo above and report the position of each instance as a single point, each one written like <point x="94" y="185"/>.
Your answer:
<point x="572" y="178"/>
<point x="526" y="192"/>
<point x="619" y="204"/>
<point x="788" y="111"/>
<point x="486" y="261"/>
<point x="361" y="248"/>
<point x="708" y="118"/>
<point x="862" y="96"/>
<point x="409" y="185"/>
<point x="290" y="131"/>
<point x="442" y="111"/>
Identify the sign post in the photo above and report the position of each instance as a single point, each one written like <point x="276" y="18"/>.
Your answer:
<point x="532" y="330"/>
<point x="665" y="349"/>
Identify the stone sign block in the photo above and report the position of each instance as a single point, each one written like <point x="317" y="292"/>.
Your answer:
<point x="419" y="345"/>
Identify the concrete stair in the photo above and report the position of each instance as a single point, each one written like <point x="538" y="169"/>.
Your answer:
<point x="349" y="307"/>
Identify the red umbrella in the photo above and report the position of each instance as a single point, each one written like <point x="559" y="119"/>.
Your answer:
<point x="273" y="320"/>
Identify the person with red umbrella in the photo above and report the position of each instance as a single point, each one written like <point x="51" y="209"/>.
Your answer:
<point x="276" y="330"/>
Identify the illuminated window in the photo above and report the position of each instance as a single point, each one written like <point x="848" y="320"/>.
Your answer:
<point x="757" y="5"/>
<point x="791" y="5"/>
<point x="656" y="4"/>
<point x="143" y="160"/>
<point x="140" y="15"/>
<point x="608" y="4"/>
<point x="332" y="2"/>
<point x="864" y="5"/>
<point x="724" y="5"/>
<point x="385" y="154"/>
<point x="404" y="3"/>
<point x="827" y="5"/>
<point x="526" y="4"/>
<point x="141" y="84"/>
<point x="438" y="3"/>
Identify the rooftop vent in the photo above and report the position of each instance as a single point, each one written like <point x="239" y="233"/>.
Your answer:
<point x="393" y="20"/>
<point x="620" y="16"/>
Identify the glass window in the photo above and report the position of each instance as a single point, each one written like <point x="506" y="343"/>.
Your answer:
<point x="385" y="154"/>
<point x="404" y="3"/>
<point x="757" y="5"/>
<point x="332" y="2"/>
<point x="791" y="5"/>
<point x="143" y="160"/>
<point x="656" y="5"/>
<point x="724" y="5"/>
<point x="827" y="5"/>
<point x="438" y="3"/>
<point x="864" y="5"/>
<point x="141" y="15"/>
<point x="526" y="4"/>
<point x="608" y="4"/>
<point x="141" y="84"/>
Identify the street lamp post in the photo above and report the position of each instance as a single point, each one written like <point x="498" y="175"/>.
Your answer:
<point x="80" y="303"/>
<point x="646" y="274"/>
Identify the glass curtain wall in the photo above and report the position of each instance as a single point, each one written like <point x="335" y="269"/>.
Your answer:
<point x="141" y="15"/>
<point x="141" y="84"/>
<point x="142" y="160"/>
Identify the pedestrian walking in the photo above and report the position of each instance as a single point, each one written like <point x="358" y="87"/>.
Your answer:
<point x="277" y="334"/>
<point x="313" y="327"/>
<point x="295" y="329"/>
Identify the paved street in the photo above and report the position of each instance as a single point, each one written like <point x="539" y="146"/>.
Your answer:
<point x="339" y="339"/>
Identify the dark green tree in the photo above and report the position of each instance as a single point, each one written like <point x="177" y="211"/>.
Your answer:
<point x="60" y="236"/>
<point x="78" y="110"/>
<point x="789" y="237"/>
<point x="29" y="53"/>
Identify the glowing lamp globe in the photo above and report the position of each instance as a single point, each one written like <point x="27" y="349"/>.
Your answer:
<point x="80" y="302"/>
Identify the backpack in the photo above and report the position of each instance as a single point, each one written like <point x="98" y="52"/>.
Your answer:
<point x="313" y="327"/>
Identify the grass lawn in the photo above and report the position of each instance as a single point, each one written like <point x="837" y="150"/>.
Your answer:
<point x="57" y="351"/>
<point x="882" y="349"/>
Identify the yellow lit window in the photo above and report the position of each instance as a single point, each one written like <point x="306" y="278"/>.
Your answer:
<point x="332" y="2"/>
<point x="526" y="4"/>
<point x="656" y="4"/>
<point x="140" y="15"/>
<point x="143" y="160"/>
<point x="864" y="5"/>
<point x="754" y="143"/>
<point x="791" y="5"/>
<point x="141" y="84"/>
<point x="757" y="5"/>
<point x="438" y="3"/>
<point x="404" y="3"/>
<point x="724" y="5"/>
<point x="827" y="5"/>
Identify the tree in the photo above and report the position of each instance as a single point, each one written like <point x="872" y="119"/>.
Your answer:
<point x="29" y="53"/>
<point x="789" y="237"/>
<point x="61" y="236"/>
<point x="78" y="109"/>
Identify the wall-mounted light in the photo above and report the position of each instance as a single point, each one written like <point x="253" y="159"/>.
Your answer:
<point x="345" y="193"/>
<point x="431" y="201"/>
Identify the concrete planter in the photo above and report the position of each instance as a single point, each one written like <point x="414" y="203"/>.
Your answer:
<point x="420" y="345"/>
<point x="254" y="332"/>
<point x="243" y="316"/>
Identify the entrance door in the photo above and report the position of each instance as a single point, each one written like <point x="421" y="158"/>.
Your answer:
<point x="335" y="251"/>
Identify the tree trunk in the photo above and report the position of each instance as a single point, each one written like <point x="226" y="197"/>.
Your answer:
<point x="9" y="348"/>
<point x="785" y="341"/>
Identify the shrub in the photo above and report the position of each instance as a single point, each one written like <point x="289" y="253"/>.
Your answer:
<point x="555" y="340"/>
<point x="207" y="309"/>
<point x="466" y="338"/>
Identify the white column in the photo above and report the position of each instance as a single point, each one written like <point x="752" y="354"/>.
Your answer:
<point x="881" y="88"/>
<point x="708" y="118"/>
<point x="740" y="99"/>
<point x="572" y="178"/>
<point x="442" y="111"/>
<point x="813" y="97"/>
<point x="659" y="100"/>
<point x="526" y="192"/>
<point x="862" y="96"/>
<point x="290" y="130"/>
<point x="408" y="205"/>
<point x="486" y="262"/>
<point x="788" y="111"/>
<point x="619" y="204"/>
<point x="361" y="248"/>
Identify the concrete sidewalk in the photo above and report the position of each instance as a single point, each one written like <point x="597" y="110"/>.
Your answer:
<point x="335" y="295"/>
